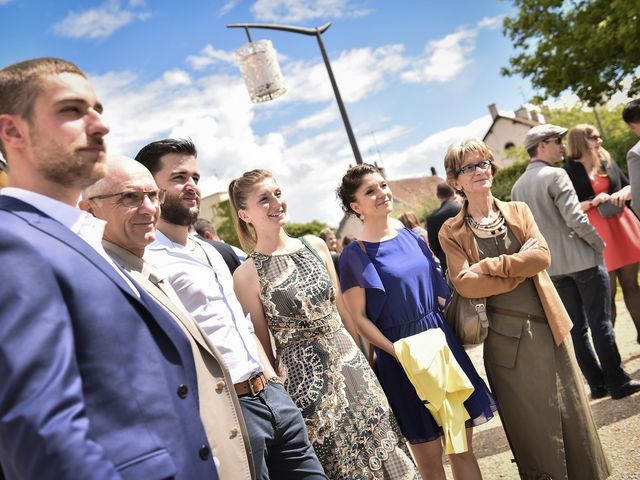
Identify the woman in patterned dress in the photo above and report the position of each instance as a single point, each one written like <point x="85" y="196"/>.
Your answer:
<point x="289" y="288"/>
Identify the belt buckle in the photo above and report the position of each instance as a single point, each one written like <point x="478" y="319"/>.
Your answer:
<point x="254" y="392"/>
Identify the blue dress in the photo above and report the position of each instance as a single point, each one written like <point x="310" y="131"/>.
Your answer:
<point x="402" y="284"/>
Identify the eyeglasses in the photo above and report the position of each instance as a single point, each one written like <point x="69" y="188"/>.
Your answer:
<point x="470" y="168"/>
<point x="134" y="198"/>
<point x="556" y="140"/>
<point x="594" y="137"/>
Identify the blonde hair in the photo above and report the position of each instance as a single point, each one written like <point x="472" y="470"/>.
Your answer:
<point x="239" y="189"/>
<point x="455" y="156"/>
<point x="578" y="146"/>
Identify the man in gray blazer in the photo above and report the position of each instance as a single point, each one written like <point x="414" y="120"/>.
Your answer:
<point x="577" y="267"/>
<point x="631" y="116"/>
<point x="128" y="199"/>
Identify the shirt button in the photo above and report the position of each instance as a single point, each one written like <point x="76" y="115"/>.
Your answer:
<point x="220" y="385"/>
<point x="182" y="391"/>
<point x="204" y="452"/>
<point x="234" y="432"/>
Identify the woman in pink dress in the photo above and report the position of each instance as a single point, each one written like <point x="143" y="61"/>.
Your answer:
<point x="603" y="190"/>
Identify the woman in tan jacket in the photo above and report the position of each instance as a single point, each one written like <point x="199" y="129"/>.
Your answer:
<point x="495" y="250"/>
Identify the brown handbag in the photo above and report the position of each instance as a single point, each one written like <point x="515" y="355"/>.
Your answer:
<point x="467" y="317"/>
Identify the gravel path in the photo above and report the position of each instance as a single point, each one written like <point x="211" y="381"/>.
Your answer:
<point x="618" y="420"/>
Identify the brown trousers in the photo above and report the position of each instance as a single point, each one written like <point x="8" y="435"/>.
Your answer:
<point x="543" y="405"/>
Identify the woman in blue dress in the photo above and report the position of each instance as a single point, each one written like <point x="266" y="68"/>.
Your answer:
<point x="393" y="289"/>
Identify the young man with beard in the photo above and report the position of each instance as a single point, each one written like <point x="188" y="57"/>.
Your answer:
<point x="91" y="367"/>
<point x="279" y="440"/>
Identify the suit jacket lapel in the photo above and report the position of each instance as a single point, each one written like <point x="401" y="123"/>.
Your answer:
<point x="144" y="274"/>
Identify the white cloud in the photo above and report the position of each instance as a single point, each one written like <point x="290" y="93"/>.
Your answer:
<point x="227" y="7"/>
<point x="99" y="22"/>
<point x="418" y="159"/>
<point x="490" y="23"/>
<point x="210" y="56"/>
<point x="314" y="121"/>
<point x="4" y="2"/>
<point x="176" y="77"/>
<point x="301" y="10"/>
<point x="358" y="72"/>
<point x="445" y="58"/>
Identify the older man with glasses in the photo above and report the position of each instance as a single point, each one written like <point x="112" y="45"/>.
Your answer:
<point x="577" y="266"/>
<point x="129" y="200"/>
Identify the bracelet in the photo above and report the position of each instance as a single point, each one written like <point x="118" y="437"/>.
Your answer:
<point x="275" y="379"/>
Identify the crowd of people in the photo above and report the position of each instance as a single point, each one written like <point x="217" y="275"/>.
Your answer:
<point x="136" y="344"/>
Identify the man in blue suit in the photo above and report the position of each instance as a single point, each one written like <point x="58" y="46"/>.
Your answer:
<point x="96" y="380"/>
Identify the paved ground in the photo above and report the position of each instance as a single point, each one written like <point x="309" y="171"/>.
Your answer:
<point x="618" y="420"/>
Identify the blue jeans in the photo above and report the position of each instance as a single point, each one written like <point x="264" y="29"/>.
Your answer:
<point x="279" y="441"/>
<point x="586" y="296"/>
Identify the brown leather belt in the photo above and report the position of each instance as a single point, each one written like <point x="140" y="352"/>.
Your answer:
<point x="515" y="313"/>
<point x="253" y="386"/>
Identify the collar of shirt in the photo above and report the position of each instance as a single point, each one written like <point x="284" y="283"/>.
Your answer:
<point x="85" y="225"/>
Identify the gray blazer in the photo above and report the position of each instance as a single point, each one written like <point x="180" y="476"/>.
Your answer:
<point x="633" y="163"/>
<point x="573" y="242"/>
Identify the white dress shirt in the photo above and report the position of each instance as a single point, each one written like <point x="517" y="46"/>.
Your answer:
<point x="86" y="226"/>
<point x="206" y="291"/>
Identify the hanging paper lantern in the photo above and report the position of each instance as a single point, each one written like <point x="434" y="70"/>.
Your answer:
<point x="260" y="70"/>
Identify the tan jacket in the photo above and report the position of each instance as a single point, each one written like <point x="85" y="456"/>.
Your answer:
<point x="219" y="407"/>
<point x="504" y="273"/>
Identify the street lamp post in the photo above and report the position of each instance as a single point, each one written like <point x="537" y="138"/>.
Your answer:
<point x="317" y="32"/>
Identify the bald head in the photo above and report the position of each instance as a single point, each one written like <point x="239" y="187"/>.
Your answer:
<point x="127" y="198"/>
<point x="119" y="168"/>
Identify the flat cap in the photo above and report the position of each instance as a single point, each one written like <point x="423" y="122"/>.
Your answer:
<point x="541" y="132"/>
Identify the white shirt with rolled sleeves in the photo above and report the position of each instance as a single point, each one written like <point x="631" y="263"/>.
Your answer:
<point x="206" y="291"/>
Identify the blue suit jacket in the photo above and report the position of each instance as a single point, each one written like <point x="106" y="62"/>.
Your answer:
<point x="94" y="382"/>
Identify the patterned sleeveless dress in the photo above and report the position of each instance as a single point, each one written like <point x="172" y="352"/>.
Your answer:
<point x="346" y="412"/>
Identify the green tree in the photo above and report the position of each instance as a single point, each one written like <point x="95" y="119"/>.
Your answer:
<point x="586" y="46"/>
<point x="504" y="178"/>
<point x="224" y="223"/>
<point x="314" y="227"/>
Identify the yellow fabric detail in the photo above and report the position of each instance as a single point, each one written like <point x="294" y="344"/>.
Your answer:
<point x="438" y="380"/>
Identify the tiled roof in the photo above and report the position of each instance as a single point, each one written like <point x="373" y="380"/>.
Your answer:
<point x="414" y="191"/>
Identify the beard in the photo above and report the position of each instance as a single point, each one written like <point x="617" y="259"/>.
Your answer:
<point x="59" y="164"/>
<point x="173" y="211"/>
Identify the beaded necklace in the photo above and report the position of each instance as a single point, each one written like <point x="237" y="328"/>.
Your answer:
<point x="494" y="228"/>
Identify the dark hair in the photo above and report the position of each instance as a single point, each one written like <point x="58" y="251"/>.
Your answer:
<point x="202" y="225"/>
<point x="151" y="154"/>
<point x="351" y="181"/>
<point x="21" y="83"/>
<point x="347" y="239"/>
<point x="443" y="190"/>
<point x="239" y="189"/>
<point x="631" y="111"/>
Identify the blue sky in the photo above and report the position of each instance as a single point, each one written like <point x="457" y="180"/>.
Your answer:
<point x="415" y="77"/>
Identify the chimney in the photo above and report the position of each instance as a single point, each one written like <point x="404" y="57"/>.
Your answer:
<point x="433" y="172"/>
<point x="523" y="113"/>
<point x="534" y="116"/>
<point x="493" y="110"/>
